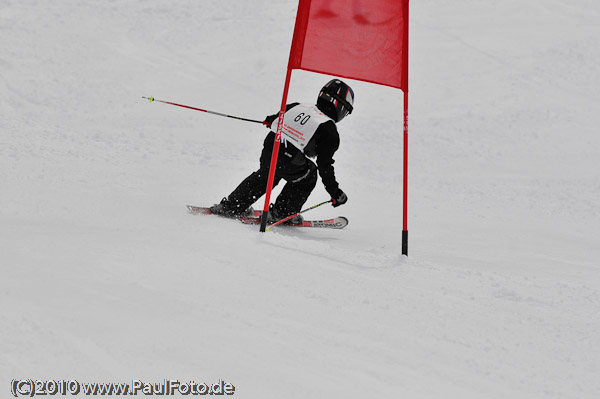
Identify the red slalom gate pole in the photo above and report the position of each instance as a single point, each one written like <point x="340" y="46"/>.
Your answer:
<point x="405" y="181"/>
<point x="275" y="153"/>
<point x="405" y="172"/>
<point x="202" y="110"/>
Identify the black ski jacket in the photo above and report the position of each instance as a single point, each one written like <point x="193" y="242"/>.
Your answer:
<point x="324" y="143"/>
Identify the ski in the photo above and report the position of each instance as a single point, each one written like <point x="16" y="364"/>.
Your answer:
<point x="198" y="210"/>
<point x="204" y="210"/>
<point x="335" y="223"/>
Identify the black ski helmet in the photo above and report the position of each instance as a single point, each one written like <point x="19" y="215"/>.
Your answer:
<point x="336" y="97"/>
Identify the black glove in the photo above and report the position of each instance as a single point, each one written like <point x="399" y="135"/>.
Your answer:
<point x="267" y="123"/>
<point x="340" y="198"/>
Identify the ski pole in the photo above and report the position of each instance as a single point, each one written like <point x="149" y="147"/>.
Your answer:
<point x="203" y="110"/>
<point x="297" y="213"/>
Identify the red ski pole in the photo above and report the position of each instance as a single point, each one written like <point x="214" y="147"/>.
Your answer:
<point x="298" y="213"/>
<point x="203" y="110"/>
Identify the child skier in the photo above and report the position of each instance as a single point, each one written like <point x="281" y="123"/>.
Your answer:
<point x="309" y="131"/>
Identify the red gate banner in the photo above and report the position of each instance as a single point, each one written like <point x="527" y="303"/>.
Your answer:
<point x="358" y="39"/>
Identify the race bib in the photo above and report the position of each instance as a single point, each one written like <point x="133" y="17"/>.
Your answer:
<point x="300" y="124"/>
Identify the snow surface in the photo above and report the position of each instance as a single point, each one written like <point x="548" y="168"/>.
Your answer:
<point x="106" y="277"/>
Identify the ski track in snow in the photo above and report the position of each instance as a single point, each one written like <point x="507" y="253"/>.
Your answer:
<point x="105" y="277"/>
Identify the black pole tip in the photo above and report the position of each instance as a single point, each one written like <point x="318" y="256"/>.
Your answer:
<point x="263" y="222"/>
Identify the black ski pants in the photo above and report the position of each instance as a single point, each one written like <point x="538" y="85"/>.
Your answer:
<point x="299" y="172"/>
